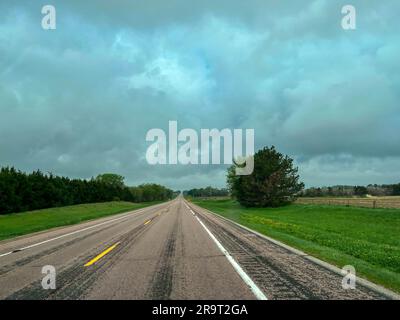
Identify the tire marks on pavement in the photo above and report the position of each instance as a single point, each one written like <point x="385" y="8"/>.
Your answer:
<point x="161" y="284"/>
<point x="75" y="281"/>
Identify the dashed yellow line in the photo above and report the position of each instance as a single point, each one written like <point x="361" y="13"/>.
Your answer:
<point x="101" y="255"/>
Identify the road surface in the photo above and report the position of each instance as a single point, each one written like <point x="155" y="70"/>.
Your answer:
<point x="174" y="250"/>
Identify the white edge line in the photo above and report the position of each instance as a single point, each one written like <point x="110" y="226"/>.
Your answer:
<point x="127" y="215"/>
<point x="257" y="292"/>
<point x="5" y="254"/>
<point x="366" y="283"/>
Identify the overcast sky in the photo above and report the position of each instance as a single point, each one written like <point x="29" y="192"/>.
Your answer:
<point x="78" y="100"/>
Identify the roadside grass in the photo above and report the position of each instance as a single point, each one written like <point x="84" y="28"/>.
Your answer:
<point x="368" y="239"/>
<point x="17" y="224"/>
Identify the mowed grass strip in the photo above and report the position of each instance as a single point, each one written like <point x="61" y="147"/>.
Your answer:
<point x="368" y="239"/>
<point x="17" y="224"/>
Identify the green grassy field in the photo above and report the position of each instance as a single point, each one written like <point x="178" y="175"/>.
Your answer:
<point x="368" y="239"/>
<point x="17" y="224"/>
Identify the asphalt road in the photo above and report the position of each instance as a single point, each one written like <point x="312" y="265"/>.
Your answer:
<point x="170" y="251"/>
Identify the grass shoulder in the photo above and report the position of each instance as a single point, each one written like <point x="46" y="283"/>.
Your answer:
<point x="366" y="238"/>
<point x="18" y="224"/>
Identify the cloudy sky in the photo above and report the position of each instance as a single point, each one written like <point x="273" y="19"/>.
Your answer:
<point x="79" y="100"/>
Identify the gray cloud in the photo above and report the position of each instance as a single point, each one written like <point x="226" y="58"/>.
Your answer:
<point x="79" y="100"/>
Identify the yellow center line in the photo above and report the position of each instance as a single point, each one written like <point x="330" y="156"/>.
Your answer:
<point x="101" y="255"/>
<point x="148" y="221"/>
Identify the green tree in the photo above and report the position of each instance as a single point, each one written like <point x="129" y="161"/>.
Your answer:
<point x="111" y="179"/>
<point x="274" y="181"/>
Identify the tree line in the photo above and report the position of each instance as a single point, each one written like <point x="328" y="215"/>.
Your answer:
<point x="206" y="192"/>
<point x="350" y="191"/>
<point x="20" y="191"/>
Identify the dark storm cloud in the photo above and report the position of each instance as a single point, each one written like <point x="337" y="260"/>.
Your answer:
<point x="79" y="100"/>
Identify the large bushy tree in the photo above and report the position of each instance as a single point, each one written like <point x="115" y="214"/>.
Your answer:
<point x="274" y="181"/>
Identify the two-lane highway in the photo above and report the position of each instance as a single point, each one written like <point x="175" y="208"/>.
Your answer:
<point x="173" y="250"/>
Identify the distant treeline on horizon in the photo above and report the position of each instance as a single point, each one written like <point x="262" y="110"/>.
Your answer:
<point x="333" y="191"/>
<point x="20" y="191"/>
<point x="349" y="191"/>
<point x="207" y="192"/>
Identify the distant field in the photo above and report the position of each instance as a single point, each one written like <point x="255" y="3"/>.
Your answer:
<point x="366" y="238"/>
<point x="17" y="224"/>
<point x="372" y="202"/>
